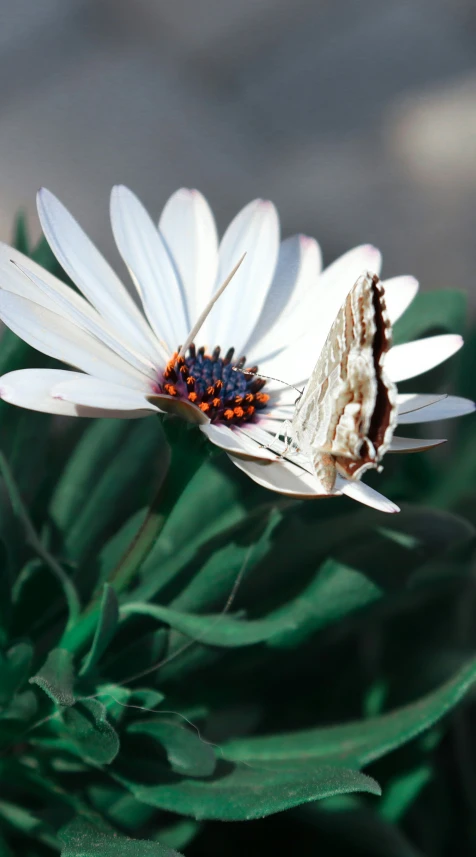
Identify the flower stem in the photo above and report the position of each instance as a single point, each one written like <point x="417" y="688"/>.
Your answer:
<point x="189" y="449"/>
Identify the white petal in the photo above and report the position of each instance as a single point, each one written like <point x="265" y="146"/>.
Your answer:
<point x="414" y="358"/>
<point x="293" y="362"/>
<point x="31" y="388"/>
<point x="58" y="337"/>
<point x="93" y="275"/>
<point x="364" y="494"/>
<point x="189" y="231"/>
<point x="286" y="312"/>
<point x="335" y="283"/>
<point x="284" y="477"/>
<point x="415" y="408"/>
<point x="254" y="231"/>
<point x="12" y="279"/>
<point x="84" y="316"/>
<point x="236" y="444"/>
<point x="413" y="444"/>
<point x="399" y="293"/>
<point x="293" y="365"/>
<point x="95" y="393"/>
<point x="150" y="265"/>
<point x="273" y="421"/>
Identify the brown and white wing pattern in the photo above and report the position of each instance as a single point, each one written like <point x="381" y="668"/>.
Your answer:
<point x="345" y="420"/>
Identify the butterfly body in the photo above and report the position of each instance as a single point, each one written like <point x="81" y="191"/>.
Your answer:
<point x="345" y="419"/>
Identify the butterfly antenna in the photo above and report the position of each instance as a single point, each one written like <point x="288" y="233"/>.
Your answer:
<point x="267" y="378"/>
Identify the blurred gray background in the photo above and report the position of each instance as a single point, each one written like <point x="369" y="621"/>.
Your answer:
<point x="356" y="117"/>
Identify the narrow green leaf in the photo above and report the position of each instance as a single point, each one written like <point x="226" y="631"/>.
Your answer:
<point x="14" y="670"/>
<point x="209" y="505"/>
<point x="240" y="793"/>
<point x="21" y="513"/>
<point x="20" y="238"/>
<point x="115" y="480"/>
<point x="360" y="742"/>
<point x="23" y="707"/>
<point x="88" y="728"/>
<point x="26" y="822"/>
<point x="335" y="591"/>
<point x="213" y="629"/>
<point x="187" y="753"/>
<point x="401" y="792"/>
<point x="105" y="630"/>
<point x="81" y="839"/>
<point x="229" y="556"/>
<point x="99" y="444"/>
<point x="6" y="593"/>
<point x="56" y="677"/>
<point x="180" y="834"/>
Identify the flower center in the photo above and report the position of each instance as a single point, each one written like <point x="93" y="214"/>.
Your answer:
<point x="209" y="382"/>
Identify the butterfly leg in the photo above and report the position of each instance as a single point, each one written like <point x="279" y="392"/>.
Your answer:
<point x="284" y="435"/>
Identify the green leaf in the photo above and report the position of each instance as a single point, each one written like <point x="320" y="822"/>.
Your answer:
<point x="335" y="591"/>
<point x="444" y="310"/>
<point x="402" y="791"/>
<point x="209" y="505"/>
<point x="116" y="547"/>
<point x="115" y="698"/>
<point x="14" y="670"/>
<point x="180" y="834"/>
<point x="112" y="472"/>
<point x="187" y="753"/>
<point x="213" y="630"/>
<point x="81" y="839"/>
<point x="23" y="516"/>
<point x="99" y="444"/>
<point x="23" y="707"/>
<point x="6" y="593"/>
<point x="25" y="821"/>
<point x="20" y="238"/>
<point x="105" y="630"/>
<point x="92" y="735"/>
<point x="360" y="742"/>
<point x="229" y="556"/>
<point x="240" y="793"/>
<point x="56" y="677"/>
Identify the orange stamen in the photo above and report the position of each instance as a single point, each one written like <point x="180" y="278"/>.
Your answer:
<point x="216" y="403"/>
<point x="238" y="412"/>
<point x="228" y="414"/>
<point x="262" y="398"/>
<point x="193" y="397"/>
<point x="170" y="389"/>
<point x="204" y="406"/>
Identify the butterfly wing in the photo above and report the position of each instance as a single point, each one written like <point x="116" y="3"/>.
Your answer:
<point x="345" y="419"/>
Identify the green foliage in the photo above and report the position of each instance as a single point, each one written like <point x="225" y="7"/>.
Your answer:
<point x="180" y="648"/>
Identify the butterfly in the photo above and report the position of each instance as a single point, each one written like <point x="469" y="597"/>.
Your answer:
<point x="345" y="418"/>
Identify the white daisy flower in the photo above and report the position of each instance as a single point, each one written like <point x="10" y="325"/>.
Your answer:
<point x="277" y="310"/>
